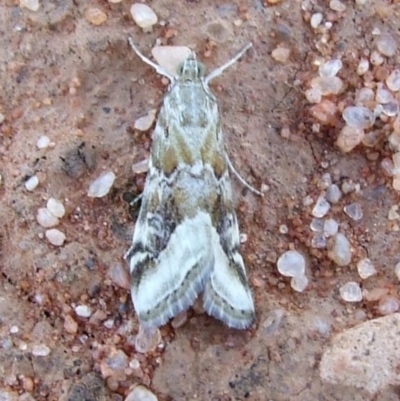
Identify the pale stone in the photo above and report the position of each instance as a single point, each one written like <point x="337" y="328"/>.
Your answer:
<point x="170" y="57"/>
<point x="102" y="185"/>
<point x="143" y="15"/>
<point x="365" y="356"/>
<point x="55" y="237"/>
<point x="141" y="393"/>
<point x="55" y="207"/>
<point x="46" y="219"/>
<point x="32" y="5"/>
<point x="32" y="183"/>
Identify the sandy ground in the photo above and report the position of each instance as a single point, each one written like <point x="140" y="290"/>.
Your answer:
<point x="83" y="87"/>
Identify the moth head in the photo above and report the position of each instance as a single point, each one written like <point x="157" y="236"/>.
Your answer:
<point x="191" y="69"/>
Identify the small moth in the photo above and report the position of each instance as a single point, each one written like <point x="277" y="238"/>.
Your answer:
<point x="186" y="239"/>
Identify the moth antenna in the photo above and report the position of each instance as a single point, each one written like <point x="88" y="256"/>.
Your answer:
<point x="220" y="70"/>
<point x="160" y="70"/>
<point x="241" y="179"/>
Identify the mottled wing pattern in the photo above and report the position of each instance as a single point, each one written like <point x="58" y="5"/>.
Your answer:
<point x="186" y="239"/>
<point x="170" y="258"/>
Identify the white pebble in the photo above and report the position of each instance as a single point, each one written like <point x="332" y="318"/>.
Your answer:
<point x="331" y="227"/>
<point x="55" y="237"/>
<point x="388" y="305"/>
<point x="376" y="58"/>
<point x="318" y="241"/>
<point x="339" y="249"/>
<point x="143" y="15"/>
<point x="83" y="311"/>
<point x="140" y="167"/>
<point x="327" y="85"/>
<point x="317" y="225"/>
<point x="351" y="292"/>
<point x="299" y="283"/>
<point x="147" y="339"/>
<point x="313" y="95"/>
<point x="144" y="123"/>
<point x="43" y="142"/>
<point x="316" y="20"/>
<point x="358" y="117"/>
<point x="393" y="81"/>
<point x="32" y="5"/>
<point x="383" y="95"/>
<point x="391" y="108"/>
<point x="354" y="211"/>
<point x="170" y="57"/>
<point x="141" y="393"/>
<point x="365" y="268"/>
<point x="31" y="183"/>
<point x="364" y="96"/>
<point x="55" y="207"/>
<point x="337" y="5"/>
<point x="101" y="185"/>
<point x="40" y="350"/>
<point x="363" y="66"/>
<point x="349" y="138"/>
<point x="46" y="219"/>
<point x="330" y="68"/>
<point x="321" y="207"/>
<point x="386" y="44"/>
<point x="291" y="264"/>
<point x="333" y="194"/>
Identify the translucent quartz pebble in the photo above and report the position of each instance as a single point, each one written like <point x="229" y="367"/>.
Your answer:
<point x="393" y="81"/>
<point x="318" y="241"/>
<point x="55" y="237"/>
<point x="349" y="138"/>
<point x="55" y="207"/>
<point x="339" y="249"/>
<point x="388" y="305"/>
<point x="102" y="185"/>
<point x="321" y="207"/>
<point x="317" y="225"/>
<point x="313" y="95"/>
<point x="337" y="5"/>
<point x="291" y="264"/>
<point x="358" y="117"/>
<point x="331" y="227"/>
<point x="354" y="211"/>
<point x="145" y="122"/>
<point x="383" y="95"/>
<point x="364" y="96"/>
<point x="330" y="68"/>
<point x="147" y="339"/>
<point x="299" y="283"/>
<point x="141" y="393"/>
<point x="391" y="108"/>
<point x="351" y="292"/>
<point x="386" y="44"/>
<point x="327" y="85"/>
<point x="363" y="66"/>
<point x="333" y="193"/>
<point x="365" y="268"/>
<point x="316" y="20"/>
<point x="45" y="218"/>
<point x="143" y="15"/>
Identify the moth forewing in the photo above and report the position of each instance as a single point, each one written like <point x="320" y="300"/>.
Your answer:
<point x="186" y="239"/>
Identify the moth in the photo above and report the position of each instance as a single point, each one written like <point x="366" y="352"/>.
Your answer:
<point x="186" y="238"/>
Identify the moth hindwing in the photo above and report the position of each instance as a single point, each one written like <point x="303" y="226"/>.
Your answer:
<point x="186" y="239"/>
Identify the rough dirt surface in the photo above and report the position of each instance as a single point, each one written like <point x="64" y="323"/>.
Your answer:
<point x="83" y="87"/>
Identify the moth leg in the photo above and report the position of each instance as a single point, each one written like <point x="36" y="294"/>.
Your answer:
<point x="220" y="70"/>
<point x="160" y="70"/>
<point x="241" y="179"/>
